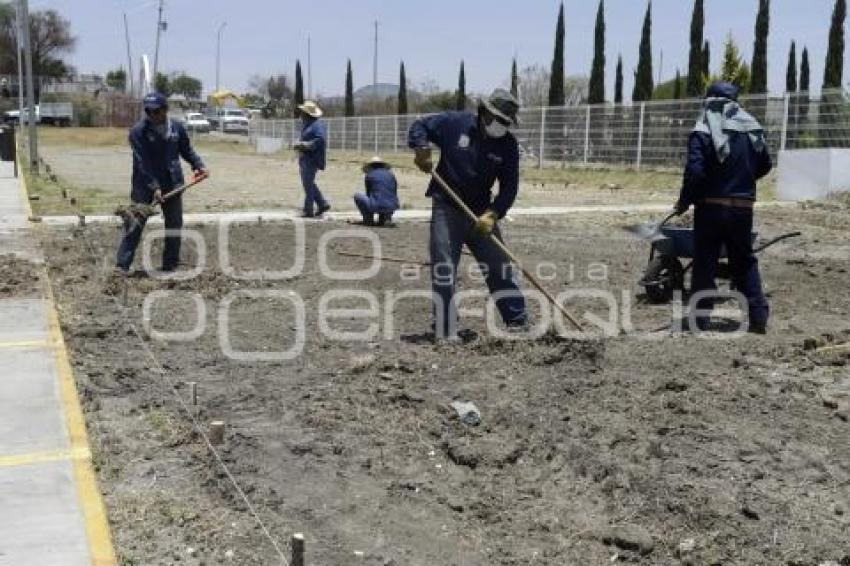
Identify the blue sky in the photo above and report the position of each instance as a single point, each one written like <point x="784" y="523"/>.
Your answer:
<point x="266" y="36"/>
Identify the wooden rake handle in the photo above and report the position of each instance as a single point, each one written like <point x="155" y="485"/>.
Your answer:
<point x="195" y="180"/>
<point x="508" y="253"/>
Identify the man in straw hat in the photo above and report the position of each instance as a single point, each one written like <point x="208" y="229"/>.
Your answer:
<point x="381" y="196"/>
<point x="476" y="150"/>
<point x="312" y="148"/>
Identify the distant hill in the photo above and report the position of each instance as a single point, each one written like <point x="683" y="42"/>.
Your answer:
<point x="380" y="91"/>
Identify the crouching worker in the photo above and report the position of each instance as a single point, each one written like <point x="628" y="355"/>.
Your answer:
<point x="476" y="150"/>
<point x="727" y="154"/>
<point x="157" y="144"/>
<point x="381" y="196"/>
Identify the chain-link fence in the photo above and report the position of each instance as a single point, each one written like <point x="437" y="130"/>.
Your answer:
<point x="650" y="134"/>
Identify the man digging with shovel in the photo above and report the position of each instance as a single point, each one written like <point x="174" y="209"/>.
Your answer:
<point x="476" y="150"/>
<point x="157" y="144"/>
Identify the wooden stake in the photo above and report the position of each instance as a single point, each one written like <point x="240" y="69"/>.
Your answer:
<point x="297" y="550"/>
<point x="462" y="205"/>
<point x="385" y="258"/>
<point x="193" y="392"/>
<point x="216" y="433"/>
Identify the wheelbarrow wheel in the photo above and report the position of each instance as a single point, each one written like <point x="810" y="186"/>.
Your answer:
<point x="664" y="275"/>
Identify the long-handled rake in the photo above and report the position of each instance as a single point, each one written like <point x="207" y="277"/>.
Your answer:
<point x="136" y="212"/>
<point x="504" y="249"/>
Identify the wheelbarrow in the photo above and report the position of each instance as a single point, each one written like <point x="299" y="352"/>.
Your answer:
<point x="665" y="272"/>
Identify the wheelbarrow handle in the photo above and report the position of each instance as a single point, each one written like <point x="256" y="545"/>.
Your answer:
<point x="776" y="240"/>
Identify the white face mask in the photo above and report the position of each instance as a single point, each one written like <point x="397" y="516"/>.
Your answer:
<point x="496" y="130"/>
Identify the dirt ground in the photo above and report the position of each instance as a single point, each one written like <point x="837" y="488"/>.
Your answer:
<point x="649" y="447"/>
<point x="20" y="277"/>
<point x="94" y="165"/>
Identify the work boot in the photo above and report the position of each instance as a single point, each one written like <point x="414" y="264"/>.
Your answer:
<point x="323" y="209"/>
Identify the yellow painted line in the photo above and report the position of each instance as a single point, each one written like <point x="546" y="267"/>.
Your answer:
<point x="27" y="344"/>
<point x="91" y="502"/>
<point x="44" y="457"/>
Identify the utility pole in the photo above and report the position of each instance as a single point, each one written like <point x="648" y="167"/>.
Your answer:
<point x="129" y="56"/>
<point x="31" y="115"/>
<point x="375" y="63"/>
<point x="218" y="57"/>
<point x="19" y="44"/>
<point x="159" y="27"/>
<point x="309" y="70"/>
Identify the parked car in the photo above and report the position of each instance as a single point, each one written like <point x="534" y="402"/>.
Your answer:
<point x="195" y="122"/>
<point x="233" y="120"/>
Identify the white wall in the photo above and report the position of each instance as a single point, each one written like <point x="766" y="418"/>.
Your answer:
<point x="812" y="174"/>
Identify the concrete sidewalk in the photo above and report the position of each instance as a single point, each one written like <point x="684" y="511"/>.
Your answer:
<point x="51" y="511"/>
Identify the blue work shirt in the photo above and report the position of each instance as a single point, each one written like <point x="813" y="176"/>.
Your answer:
<point x="706" y="177"/>
<point x="156" y="159"/>
<point x="314" y="133"/>
<point x="382" y="188"/>
<point x="470" y="162"/>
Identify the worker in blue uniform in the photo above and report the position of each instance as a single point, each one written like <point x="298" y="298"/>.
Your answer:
<point x="476" y="150"/>
<point x="727" y="154"/>
<point x="381" y="196"/>
<point x="157" y="144"/>
<point x="312" y="149"/>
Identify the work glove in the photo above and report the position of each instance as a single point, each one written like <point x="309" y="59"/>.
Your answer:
<point x="680" y="208"/>
<point x="486" y="223"/>
<point x="157" y="195"/>
<point x="422" y="159"/>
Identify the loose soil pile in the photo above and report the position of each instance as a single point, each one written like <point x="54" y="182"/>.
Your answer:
<point x="644" y="448"/>
<point x="18" y="277"/>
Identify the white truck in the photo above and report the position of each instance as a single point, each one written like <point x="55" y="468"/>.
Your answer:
<point x="51" y="113"/>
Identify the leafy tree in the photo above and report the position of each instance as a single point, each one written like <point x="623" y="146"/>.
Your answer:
<point x="51" y="39"/>
<point x="299" y="88"/>
<point x="677" y="88"/>
<point x="734" y="70"/>
<point x="596" y="90"/>
<point x="117" y="79"/>
<point x="557" y="95"/>
<point x="460" y="102"/>
<point x="758" y="78"/>
<point x="190" y="87"/>
<point x="696" y="71"/>
<point x="643" y="76"/>
<point x="791" y="71"/>
<point x="834" y="68"/>
<point x="402" y="90"/>
<point x="349" y="91"/>
<point x="618" y="81"/>
<point x="162" y="84"/>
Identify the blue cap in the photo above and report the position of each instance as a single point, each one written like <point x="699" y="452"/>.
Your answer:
<point x="154" y="101"/>
<point x="722" y="89"/>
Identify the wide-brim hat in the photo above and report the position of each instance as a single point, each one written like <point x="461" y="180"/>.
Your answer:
<point x="310" y="108"/>
<point x="502" y="104"/>
<point x="374" y="162"/>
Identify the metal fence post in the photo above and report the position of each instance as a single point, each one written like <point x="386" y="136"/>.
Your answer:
<point x="542" y="137"/>
<point x="640" y="135"/>
<point x="785" y="111"/>
<point x="344" y="129"/>
<point x="328" y="133"/>
<point x="376" y="135"/>
<point x="359" y="135"/>
<point x="395" y="133"/>
<point x="587" y="134"/>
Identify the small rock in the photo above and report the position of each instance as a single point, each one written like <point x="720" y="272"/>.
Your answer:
<point x="191" y="551"/>
<point x="686" y="546"/>
<point x="229" y="555"/>
<point x="467" y="413"/>
<point x="629" y="537"/>
<point x="750" y="513"/>
<point x="838" y="510"/>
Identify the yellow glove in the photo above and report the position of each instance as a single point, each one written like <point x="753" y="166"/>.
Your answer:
<point x="486" y="223"/>
<point x="422" y="159"/>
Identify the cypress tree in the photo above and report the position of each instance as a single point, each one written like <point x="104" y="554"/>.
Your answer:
<point x="758" y="69"/>
<point x="791" y="72"/>
<point x="557" y="96"/>
<point x="834" y="69"/>
<point x="402" y="90"/>
<point x="514" y="81"/>
<point x="696" y="73"/>
<point x="460" y="102"/>
<point x="805" y="71"/>
<point x="618" y="81"/>
<point x="349" y="91"/>
<point x="643" y="77"/>
<point x="299" y="88"/>
<point x="706" y="61"/>
<point x="596" y="87"/>
<point x="677" y="88"/>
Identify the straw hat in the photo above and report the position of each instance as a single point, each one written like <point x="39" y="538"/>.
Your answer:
<point x="375" y="161"/>
<point x="310" y="108"/>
